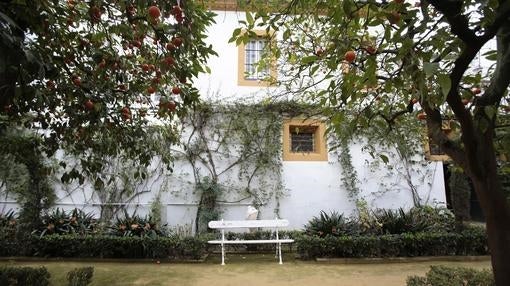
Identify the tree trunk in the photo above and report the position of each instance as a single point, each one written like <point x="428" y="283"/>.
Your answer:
<point x="483" y="171"/>
<point x="497" y="216"/>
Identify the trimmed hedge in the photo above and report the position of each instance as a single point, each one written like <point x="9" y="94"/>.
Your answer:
<point x="472" y="241"/>
<point x="119" y="247"/>
<point x="24" y="276"/>
<point x="452" y="276"/>
<point x="469" y="242"/>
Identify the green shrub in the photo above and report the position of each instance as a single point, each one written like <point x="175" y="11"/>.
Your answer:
<point x="80" y="276"/>
<point x="8" y="220"/>
<point x="8" y="223"/>
<point x="135" y="226"/>
<point x="471" y="242"/>
<point x="333" y="224"/>
<point x="400" y="221"/>
<point x="102" y="246"/>
<point x="418" y="219"/>
<point x="383" y="222"/>
<point x="453" y="276"/>
<point x="24" y="276"/>
<point x="61" y="222"/>
<point x="438" y="219"/>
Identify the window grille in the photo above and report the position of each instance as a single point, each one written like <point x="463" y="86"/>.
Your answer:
<point x="302" y="139"/>
<point x="254" y="50"/>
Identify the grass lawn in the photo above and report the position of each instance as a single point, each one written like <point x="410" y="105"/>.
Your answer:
<point x="245" y="270"/>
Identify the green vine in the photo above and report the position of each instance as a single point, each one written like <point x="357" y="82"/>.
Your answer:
<point x="119" y="180"/>
<point x="349" y="175"/>
<point x="234" y="141"/>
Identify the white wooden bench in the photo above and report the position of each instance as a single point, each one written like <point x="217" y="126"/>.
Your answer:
<point x="228" y="224"/>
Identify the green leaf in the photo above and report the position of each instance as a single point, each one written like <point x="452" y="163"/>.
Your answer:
<point x="249" y="18"/>
<point x="430" y="68"/>
<point x="491" y="55"/>
<point x="286" y="34"/>
<point x="308" y="59"/>
<point x="235" y="34"/>
<point x="314" y="69"/>
<point x="445" y="83"/>
<point x="384" y="158"/>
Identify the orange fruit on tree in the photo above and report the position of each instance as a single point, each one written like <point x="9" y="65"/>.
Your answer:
<point x="350" y="56"/>
<point x="154" y="12"/>
<point x="176" y="90"/>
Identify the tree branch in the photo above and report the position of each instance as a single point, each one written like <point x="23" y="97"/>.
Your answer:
<point x="500" y="79"/>
<point x="459" y="23"/>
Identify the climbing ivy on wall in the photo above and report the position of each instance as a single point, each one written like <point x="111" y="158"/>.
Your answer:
<point x="349" y="175"/>
<point x="235" y="154"/>
<point x="396" y="150"/>
<point x="117" y="181"/>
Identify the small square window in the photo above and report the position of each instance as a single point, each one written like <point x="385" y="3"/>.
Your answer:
<point x="304" y="140"/>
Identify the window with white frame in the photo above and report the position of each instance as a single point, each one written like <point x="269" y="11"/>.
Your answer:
<point x="253" y="53"/>
<point x="256" y="67"/>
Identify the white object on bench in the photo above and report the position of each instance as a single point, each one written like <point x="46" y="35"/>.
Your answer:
<point x="225" y="224"/>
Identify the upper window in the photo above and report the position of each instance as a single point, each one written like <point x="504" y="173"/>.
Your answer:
<point x="250" y="71"/>
<point x="304" y="140"/>
<point x="253" y="51"/>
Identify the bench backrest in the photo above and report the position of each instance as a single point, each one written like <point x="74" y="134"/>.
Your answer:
<point x="248" y="223"/>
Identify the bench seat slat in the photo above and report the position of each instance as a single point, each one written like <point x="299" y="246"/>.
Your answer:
<point x="218" y="224"/>
<point x="251" y="241"/>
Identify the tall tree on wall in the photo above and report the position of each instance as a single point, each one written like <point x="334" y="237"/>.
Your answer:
<point x="82" y="73"/>
<point x="372" y="62"/>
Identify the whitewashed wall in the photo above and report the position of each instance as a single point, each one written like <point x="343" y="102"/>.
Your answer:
<point x="309" y="188"/>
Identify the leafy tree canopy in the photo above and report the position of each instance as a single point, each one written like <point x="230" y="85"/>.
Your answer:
<point x="82" y="73"/>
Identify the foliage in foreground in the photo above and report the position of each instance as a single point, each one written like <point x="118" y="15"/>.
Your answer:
<point x="452" y="276"/>
<point x="11" y="276"/>
<point x="80" y="276"/>
<point x="31" y="276"/>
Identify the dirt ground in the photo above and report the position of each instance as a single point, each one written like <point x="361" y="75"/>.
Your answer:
<point x="247" y="270"/>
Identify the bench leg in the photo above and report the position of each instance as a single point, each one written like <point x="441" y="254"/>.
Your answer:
<point x="280" y="252"/>
<point x="222" y="254"/>
<point x="222" y="247"/>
